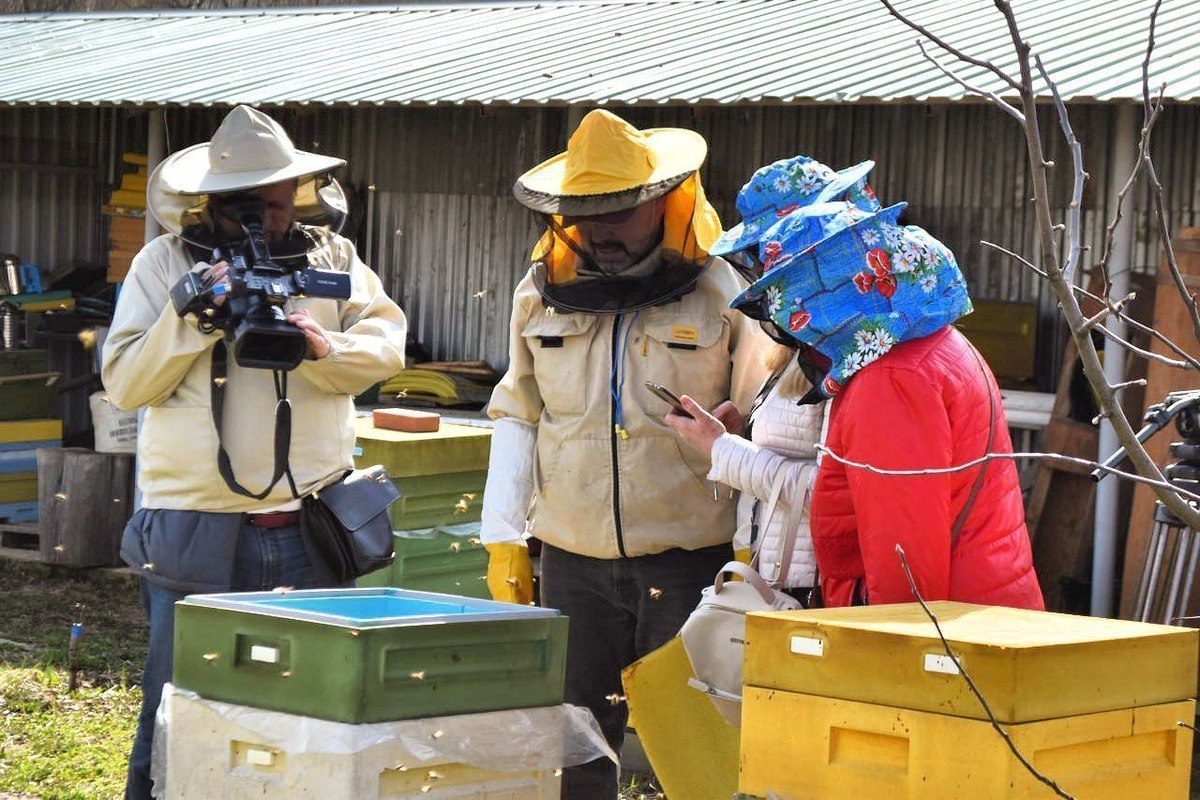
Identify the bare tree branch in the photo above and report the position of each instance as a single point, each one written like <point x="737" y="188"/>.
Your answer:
<point x="1075" y="211"/>
<point x="997" y="101"/>
<point x="1156" y="189"/>
<point x="954" y="51"/>
<point x="1188" y="360"/>
<point x="1111" y="228"/>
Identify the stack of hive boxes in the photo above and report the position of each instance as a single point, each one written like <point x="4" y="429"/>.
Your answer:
<point x="20" y="440"/>
<point x="441" y="475"/>
<point x="363" y="694"/>
<point x="864" y="702"/>
<point x="126" y="211"/>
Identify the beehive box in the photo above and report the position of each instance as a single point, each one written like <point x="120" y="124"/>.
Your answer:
<point x="213" y="757"/>
<point x="30" y="397"/>
<point x="441" y="474"/>
<point x="448" y="559"/>
<point x="802" y="746"/>
<point x="369" y="655"/>
<point x="1030" y="665"/>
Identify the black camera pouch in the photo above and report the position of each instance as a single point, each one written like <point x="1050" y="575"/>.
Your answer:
<point x="348" y="525"/>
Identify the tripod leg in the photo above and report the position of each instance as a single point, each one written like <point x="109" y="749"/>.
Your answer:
<point x="1147" y="589"/>
<point x="1176" y="572"/>
<point x="1185" y="599"/>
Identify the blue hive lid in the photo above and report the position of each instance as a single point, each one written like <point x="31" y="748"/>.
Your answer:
<point x="367" y="608"/>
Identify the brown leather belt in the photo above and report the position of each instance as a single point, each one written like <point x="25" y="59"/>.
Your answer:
<point x="274" y="519"/>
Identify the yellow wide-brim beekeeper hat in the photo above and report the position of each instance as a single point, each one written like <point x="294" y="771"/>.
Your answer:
<point x="609" y="165"/>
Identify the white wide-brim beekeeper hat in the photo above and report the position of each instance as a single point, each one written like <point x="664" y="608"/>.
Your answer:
<point x="249" y="150"/>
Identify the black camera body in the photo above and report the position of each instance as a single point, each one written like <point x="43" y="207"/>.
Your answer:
<point x="253" y="316"/>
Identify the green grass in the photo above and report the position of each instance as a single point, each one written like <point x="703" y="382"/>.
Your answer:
<point x="55" y="744"/>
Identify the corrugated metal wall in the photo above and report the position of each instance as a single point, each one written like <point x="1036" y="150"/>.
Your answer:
<point x="51" y="170"/>
<point x="435" y="218"/>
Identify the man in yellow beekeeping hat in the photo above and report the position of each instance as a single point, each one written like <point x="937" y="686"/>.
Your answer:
<point x="621" y="291"/>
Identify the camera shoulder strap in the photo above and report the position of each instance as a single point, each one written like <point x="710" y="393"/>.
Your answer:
<point x="283" y="427"/>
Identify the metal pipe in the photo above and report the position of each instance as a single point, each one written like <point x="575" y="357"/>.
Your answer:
<point x="1104" y="550"/>
<point x="155" y="152"/>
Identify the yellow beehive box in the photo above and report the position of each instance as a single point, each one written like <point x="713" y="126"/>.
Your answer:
<point x="1030" y="665"/>
<point x="800" y="746"/>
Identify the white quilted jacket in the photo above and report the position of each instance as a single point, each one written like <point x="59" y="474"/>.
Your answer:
<point x="779" y="460"/>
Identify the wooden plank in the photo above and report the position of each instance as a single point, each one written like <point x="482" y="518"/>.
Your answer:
<point x="1171" y="318"/>
<point x="19" y="554"/>
<point x="84" y="500"/>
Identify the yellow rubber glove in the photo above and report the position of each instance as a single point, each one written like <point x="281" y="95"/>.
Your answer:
<point x="510" y="573"/>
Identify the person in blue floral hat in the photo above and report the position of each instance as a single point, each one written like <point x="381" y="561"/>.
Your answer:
<point x="868" y="304"/>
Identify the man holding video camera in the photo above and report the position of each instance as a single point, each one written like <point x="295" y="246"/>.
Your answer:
<point x="250" y="315"/>
<point x="621" y="291"/>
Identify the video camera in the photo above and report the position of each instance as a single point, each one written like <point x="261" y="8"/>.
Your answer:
<point x="253" y="316"/>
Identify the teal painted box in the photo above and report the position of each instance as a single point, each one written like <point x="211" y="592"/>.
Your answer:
<point x="448" y="559"/>
<point x="440" y="475"/>
<point x="369" y="655"/>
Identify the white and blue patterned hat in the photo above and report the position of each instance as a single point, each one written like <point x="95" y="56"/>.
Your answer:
<point x="778" y="189"/>
<point x="852" y="284"/>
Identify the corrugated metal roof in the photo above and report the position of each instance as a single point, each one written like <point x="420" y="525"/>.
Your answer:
<point x="582" y="52"/>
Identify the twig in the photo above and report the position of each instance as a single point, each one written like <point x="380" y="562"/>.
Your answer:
<point x="1160" y="213"/>
<point x="1058" y="457"/>
<point x="1111" y="229"/>
<point x="997" y="101"/>
<point x="1074" y="215"/>
<point x="1188" y="358"/>
<point x="912" y="584"/>
<point x="954" y="51"/>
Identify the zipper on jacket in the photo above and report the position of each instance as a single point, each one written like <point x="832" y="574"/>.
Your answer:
<point x="613" y="388"/>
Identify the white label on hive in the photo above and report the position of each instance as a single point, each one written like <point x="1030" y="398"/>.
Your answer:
<point x="259" y="758"/>
<point x="808" y="646"/>
<point x="269" y="655"/>
<point x="935" y="662"/>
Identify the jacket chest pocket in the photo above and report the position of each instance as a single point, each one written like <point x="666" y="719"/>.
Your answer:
<point x="689" y="355"/>
<point x="559" y="345"/>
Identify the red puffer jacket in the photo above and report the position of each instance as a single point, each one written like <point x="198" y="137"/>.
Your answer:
<point x="921" y="405"/>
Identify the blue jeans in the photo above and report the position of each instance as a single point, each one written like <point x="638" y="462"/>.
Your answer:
<point x="265" y="559"/>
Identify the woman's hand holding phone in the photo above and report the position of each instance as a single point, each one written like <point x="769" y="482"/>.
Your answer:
<point x="698" y="427"/>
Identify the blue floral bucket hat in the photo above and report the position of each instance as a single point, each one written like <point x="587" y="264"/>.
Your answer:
<point x="852" y="286"/>
<point x="778" y="189"/>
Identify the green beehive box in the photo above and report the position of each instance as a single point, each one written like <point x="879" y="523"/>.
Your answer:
<point x="369" y="655"/>
<point x="441" y="475"/>
<point x="452" y="448"/>
<point x="448" y="559"/>
<point x="21" y="397"/>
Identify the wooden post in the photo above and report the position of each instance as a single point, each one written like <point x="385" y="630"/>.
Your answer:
<point x="84" y="500"/>
<point x="1171" y="318"/>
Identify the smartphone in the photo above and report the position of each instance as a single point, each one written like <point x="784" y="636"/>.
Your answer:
<point x="667" y="396"/>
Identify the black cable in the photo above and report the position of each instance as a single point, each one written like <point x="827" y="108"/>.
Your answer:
<point x="975" y="689"/>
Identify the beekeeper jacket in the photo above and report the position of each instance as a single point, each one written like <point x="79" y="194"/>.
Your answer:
<point x="575" y="376"/>
<point x="154" y="358"/>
